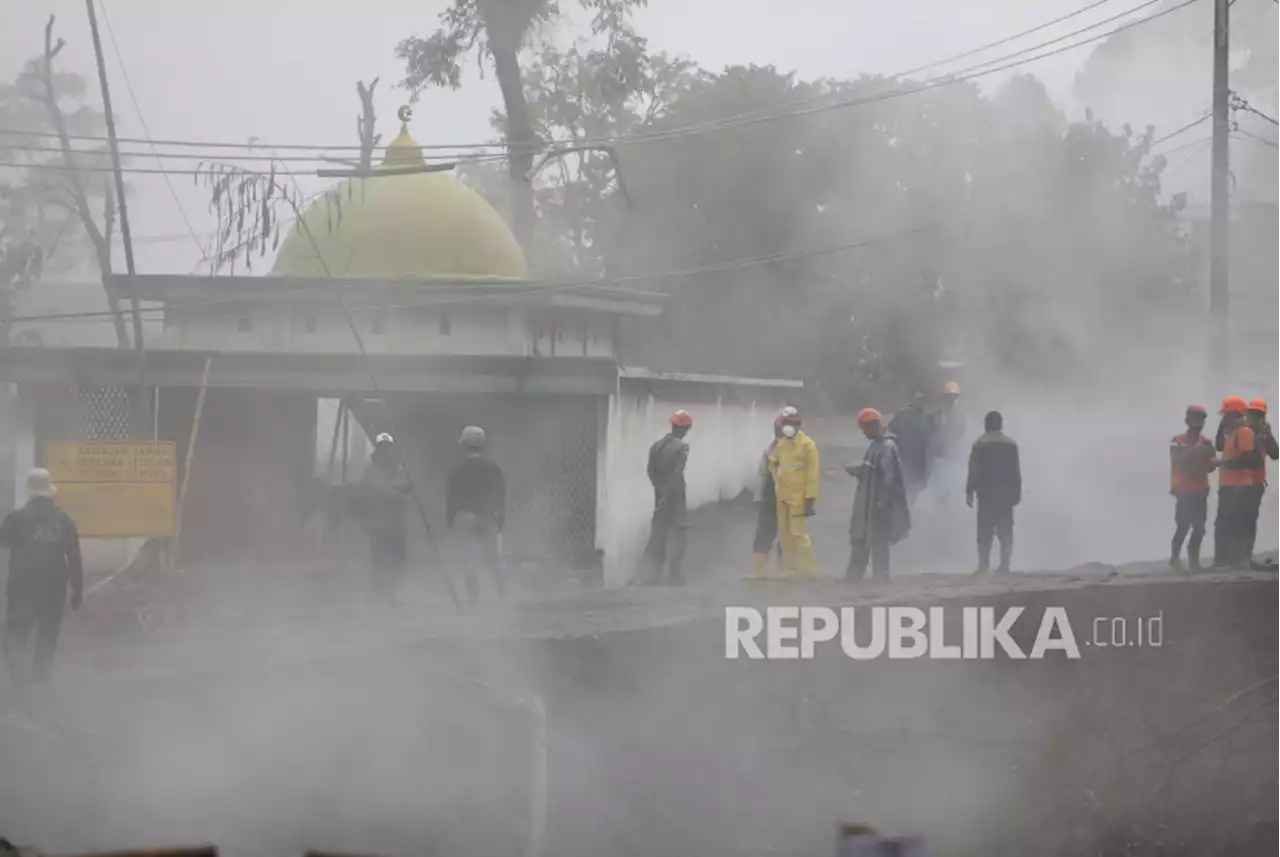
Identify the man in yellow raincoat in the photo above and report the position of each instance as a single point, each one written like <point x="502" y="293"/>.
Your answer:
<point x="794" y="465"/>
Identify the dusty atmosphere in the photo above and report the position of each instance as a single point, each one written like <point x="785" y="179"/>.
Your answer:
<point x="392" y="403"/>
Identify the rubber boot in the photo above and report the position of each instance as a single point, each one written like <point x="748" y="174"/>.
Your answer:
<point x="984" y="559"/>
<point x="759" y="566"/>
<point x="1006" y="554"/>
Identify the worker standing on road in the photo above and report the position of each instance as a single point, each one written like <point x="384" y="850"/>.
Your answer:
<point x="669" y="529"/>
<point x="385" y="487"/>
<point x="1239" y="463"/>
<point x="44" y="564"/>
<point x="1191" y="460"/>
<point x="881" y="515"/>
<point x="947" y="426"/>
<point x="767" y="508"/>
<point x="1267" y="448"/>
<point x="995" y="481"/>
<point x="910" y="430"/>
<point x="794" y="466"/>
<point x="475" y="511"/>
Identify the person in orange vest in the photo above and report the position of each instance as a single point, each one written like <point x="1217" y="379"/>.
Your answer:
<point x="1191" y="460"/>
<point x="1267" y="448"/>
<point x="1238" y="466"/>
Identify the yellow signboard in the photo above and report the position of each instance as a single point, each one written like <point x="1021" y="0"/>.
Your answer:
<point x="115" y="488"/>
<point x="119" y="508"/>
<point x="113" y="461"/>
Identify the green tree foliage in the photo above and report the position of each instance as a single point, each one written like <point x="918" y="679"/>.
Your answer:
<point x="41" y="231"/>
<point x="988" y="226"/>
<point x="496" y="31"/>
<point x="1159" y="72"/>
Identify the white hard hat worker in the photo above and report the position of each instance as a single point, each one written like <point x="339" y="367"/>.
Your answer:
<point x="40" y="483"/>
<point x="383" y="438"/>
<point x="472" y="438"/>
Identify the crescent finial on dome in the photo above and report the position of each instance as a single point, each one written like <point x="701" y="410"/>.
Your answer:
<point x="403" y="150"/>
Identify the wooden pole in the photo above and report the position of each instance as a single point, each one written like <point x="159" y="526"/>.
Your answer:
<point x="191" y="448"/>
<point x="1220" y="207"/>
<point x="114" y="146"/>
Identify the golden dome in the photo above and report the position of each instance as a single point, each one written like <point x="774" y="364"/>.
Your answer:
<point x="427" y="225"/>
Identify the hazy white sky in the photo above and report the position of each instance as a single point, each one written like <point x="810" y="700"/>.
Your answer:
<point x="284" y="71"/>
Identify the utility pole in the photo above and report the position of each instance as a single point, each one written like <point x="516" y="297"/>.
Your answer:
<point x="125" y="234"/>
<point x="1219" y="229"/>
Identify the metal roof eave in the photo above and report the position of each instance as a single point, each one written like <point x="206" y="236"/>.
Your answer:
<point x="425" y="292"/>
<point x="322" y="373"/>
<point x="640" y="373"/>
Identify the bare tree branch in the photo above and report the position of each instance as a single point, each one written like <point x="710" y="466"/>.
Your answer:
<point x="101" y="243"/>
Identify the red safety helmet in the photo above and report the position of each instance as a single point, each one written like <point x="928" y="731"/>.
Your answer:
<point x="1234" y="405"/>
<point x="867" y="416"/>
<point x="1258" y="404"/>
<point x="682" y="419"/>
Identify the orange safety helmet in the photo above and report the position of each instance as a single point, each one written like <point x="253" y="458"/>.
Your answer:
<point x="869" y="415"/>
<point x="1234" y="405"/>
<point x="1258" y="404"/>
<point x="682" y="419"/>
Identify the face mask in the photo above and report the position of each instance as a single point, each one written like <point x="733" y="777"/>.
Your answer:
<point x="789" y="431"/>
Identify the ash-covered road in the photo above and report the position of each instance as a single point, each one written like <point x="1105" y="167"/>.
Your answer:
<point x="272" y="710"/>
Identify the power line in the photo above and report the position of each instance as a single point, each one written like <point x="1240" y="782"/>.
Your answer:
<point x="758" y="117"/>
<point x="137" y="107"/>
<point x="1254" y="138"/>
<point x="1257" y="112"/>
<point x="201" y="156"/>
<point x="960" y="77"/>
<point x="1206" y="117"/>
<point x="1185" y="146"/>
<point x="532" y="290"/>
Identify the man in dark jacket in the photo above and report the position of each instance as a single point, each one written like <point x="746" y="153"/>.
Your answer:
<point x="667" y="459"/>
<point x="910" y="429"/>
<point x="44" y="563"/>
<point x="476" y="511"/>
<point x="995" y="480"/>
<point x="385" y="488"/>
<point x="881" y="517"/>
<point x="767" y="510"/>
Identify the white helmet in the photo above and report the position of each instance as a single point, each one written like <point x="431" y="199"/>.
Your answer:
<point x="383" y="438"/>
<point x="472" y="437"/>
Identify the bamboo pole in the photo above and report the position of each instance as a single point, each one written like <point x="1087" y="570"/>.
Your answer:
<point x="191" y="448"/>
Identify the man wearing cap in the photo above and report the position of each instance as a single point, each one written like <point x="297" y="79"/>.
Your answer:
<point x="1238" y="465"/>
<point x="476" y="511"/>
<point x="44" y="564"/>
<point x="669" y="527"/>
<point x="1191" y="460"/>
<point x="1267" y="448"/>
<point x="385" y="486"/>
<point x="910" y="430"/>
<point x="881" y="515"/>
<point x="947" y="425"/>
<point x="995" y="482"/>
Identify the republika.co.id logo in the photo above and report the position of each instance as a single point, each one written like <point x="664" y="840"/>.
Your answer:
<point x="906" y="633"/>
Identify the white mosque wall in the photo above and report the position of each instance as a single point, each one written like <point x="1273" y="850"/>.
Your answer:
<point x="499" y="331"/>
<point x="730" y="432"/>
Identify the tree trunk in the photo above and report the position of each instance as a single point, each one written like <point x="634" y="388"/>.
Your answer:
<point x="504" y="42"/>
